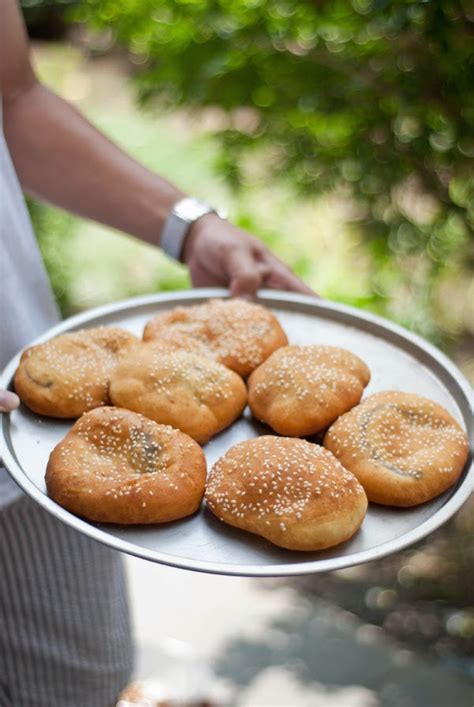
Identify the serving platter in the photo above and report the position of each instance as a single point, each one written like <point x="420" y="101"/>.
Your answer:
<point x="398" y="360"/>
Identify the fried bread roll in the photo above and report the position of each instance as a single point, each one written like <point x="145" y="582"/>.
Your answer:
<point x="69" y="375"/>
<point x="403" y="448"/>
<point x="195" y="394"/>
<point x="241" y="334"/>
<point x="115" y="466"/>
<point x="300" y="390"/>
<point x="293" y="493"/>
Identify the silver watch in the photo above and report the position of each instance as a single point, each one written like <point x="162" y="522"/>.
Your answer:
<point x="184" y="213"/>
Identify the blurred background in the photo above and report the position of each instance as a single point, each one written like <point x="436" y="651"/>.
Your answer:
<point x="342" y="135"/>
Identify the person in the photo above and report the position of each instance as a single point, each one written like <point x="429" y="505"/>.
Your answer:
<point x="65" y="636"/>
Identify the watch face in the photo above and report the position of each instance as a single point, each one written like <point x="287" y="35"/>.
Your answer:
<point x="191" y="209"/>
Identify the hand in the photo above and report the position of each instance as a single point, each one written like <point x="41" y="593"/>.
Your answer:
<point x="8" y="401"/>
<point x="220" y="254"/>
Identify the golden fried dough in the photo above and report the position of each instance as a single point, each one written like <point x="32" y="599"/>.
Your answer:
<point x="195" y="394"/>
<point x="403" y="448"/>
<point x="300" y="390"/>
<point x="115" y="466"/>
<point x="293" y="493"/>
<point x="170" y="340"/>
<point x="240" y="333"/>
<point x="69" y="374"/>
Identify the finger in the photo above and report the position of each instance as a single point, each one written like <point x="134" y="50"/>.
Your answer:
<point x="8" y="401"/>
<point x="281" y="278"/>
<point x="245" y="276"/>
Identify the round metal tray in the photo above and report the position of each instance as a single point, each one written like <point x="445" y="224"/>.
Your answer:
<point x="397" y="359"/>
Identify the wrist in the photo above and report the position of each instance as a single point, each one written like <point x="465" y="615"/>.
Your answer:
<point x="194" y="232"/>
<point x="178" y="225"/>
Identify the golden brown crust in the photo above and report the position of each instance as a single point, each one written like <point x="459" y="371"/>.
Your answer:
<point x="241" y="334"/>
<point x="115" y="466"/>
<point x="170" y="340"/>
<point x="292" y="492"/>
<point x="195" y="394"/>
<point x="69" y="375"/>
<point x="403" y="448"/>
<point x="300" y="390"/>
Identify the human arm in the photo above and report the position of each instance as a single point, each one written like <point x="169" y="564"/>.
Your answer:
<point x="61" y="158"/>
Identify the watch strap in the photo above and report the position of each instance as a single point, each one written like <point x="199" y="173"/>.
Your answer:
<point x="183" y="214"/>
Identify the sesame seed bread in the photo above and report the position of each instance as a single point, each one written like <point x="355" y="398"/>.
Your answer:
<point x="241" y="334"/>
<point x="293" y="493"/>
<point x="403" y="448"/>
<point x="69" y="374"/>
<point x="115" y="466"/>
<point x="171" y="340"/>
<point x="300" y="390"/>
<point x="186" y="390"/>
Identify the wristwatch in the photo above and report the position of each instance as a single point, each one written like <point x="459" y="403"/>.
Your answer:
<point x="183" y="214"/>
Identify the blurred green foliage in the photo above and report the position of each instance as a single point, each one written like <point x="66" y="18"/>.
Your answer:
<point x="54" y="229"/>
<point x="373" y="98"/>
<point x="371" y="101"/>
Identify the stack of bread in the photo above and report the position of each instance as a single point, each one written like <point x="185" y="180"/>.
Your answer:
<point x="145" y="407"/>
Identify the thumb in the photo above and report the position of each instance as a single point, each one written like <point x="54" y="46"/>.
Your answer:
<point x="8" y="401"/>
<point x="245" y="276"/>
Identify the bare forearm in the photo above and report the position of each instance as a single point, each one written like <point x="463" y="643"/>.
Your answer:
<point x="61" y="158"/>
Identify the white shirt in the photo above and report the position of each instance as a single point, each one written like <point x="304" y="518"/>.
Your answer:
<point x="27" y="305"/>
